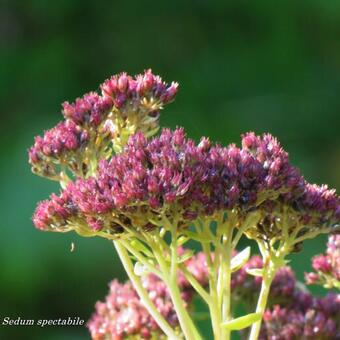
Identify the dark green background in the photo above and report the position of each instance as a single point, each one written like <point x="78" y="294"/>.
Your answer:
<point x="259" y="65"/>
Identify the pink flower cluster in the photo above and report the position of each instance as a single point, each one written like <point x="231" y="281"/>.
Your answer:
<point x="94" y="122"/>
<point x="292" y="313"/>
<point x="60" y="143"/>
<point x="122" y="315"/>
<point x="126" y="90"/>
<point x="327" y="267"/>
<point x="170" y="173"/>
<point x="307" y="318"/>
<point x="53" y="213"/>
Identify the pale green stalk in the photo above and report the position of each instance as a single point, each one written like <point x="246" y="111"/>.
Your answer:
<point x="268" y="276"/>
<point x="170" y="278"/>
<point x="128" y="266"/>
<point x="215" y="313"/>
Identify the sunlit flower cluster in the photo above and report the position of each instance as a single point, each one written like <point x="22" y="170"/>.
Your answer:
<point x="307" y="318"/>
<point x="154" y="194"/>
<point x="123" y="316"/>
<point x="327" y="267"/>
<point x="95" y="125"/>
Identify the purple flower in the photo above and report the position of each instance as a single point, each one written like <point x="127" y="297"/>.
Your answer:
<point x="284" y="195"/>
<point x="279" y="174"/>
<point x="154" y="178"/>
<point x="319" y="320"/>
<point x="123" y="314"/>
<point x="52" y="215"/>
<point x="327" y="267"/>
<point x="145" y="90"/>
<point x="91" y="109"/>
<point x="96" y="125"/>
<point x="59" y="146"/>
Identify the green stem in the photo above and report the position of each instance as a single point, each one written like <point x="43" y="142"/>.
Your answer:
<point x="213" y="306"/>
<point x="226" y="278"/>
<point x="128" y="266"/>
<point x="273" y="260"/>
<point x="151" y="268"/>
<point x="189" y="330"/>
<point x="269" y="274"/>
<point x="252" y="219"/>
<point x="196" y="285"/>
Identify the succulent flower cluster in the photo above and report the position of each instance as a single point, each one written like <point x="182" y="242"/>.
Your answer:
<point x="327" y="267"/>
<point x="293" y="312"/>
<point x="299" y="208"/>
<point x="307" y="318"/>
<point x="123" y="316"/>
<point x="152" y="194"/>
<point x="172" y="176"/>
<point x="95" y="125"/>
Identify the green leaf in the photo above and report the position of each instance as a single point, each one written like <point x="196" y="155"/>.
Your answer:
<point x="255" y="271"/>
<point x="240" y="259"/>
<point x="242" y="322"/>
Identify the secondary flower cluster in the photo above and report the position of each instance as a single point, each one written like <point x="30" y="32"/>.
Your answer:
<point x="293" y="313"/>
<point x="172" y="176"/>
<point x="95" y="124"/>
<point x="327" y="267"/>
<point x="122" y="315"/>
<point x="307" y="318"/>
<point x="119" y="183"/>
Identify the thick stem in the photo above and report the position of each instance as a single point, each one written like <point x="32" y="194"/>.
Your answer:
<point x="186" y="323"/>
<point x="128" y="266"/>
<point x="269" y="274"/>
<point x="226" y="279"/>
<point x="213" y="306"/>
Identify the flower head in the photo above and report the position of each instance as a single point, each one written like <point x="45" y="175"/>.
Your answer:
<point x="172" y="177"/>
<point x="327" y="267"/>
<point x="137" y="104"/>
<point x="291" y="207"/>
<point x="53" y="214"/>
<point x="96" y="125"/>
<point x="319" y="320"/>
<point x="123" y="315"/>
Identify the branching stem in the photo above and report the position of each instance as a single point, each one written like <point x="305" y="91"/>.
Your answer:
<point x="128" y="266"/>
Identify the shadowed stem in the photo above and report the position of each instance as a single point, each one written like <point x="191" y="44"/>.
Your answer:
<point x="226" y="280"/>
<point x="170" y="278"/>
<point x="272" y="261"/>
<point x="128" y="266"/>
<point x="268" y="276"/>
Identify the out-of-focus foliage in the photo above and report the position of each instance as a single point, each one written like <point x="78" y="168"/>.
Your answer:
<point x="257" y="65"/>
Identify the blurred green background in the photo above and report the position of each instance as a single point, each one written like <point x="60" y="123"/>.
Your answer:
<point x="259" y="65"/>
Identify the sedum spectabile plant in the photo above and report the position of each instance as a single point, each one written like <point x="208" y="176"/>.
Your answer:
<point x="151" y="192"/>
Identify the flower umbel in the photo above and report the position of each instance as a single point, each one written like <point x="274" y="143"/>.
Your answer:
<point x="153" y="194"/>
<point x="97" y="125"/>
<point x="327" y="267"/>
